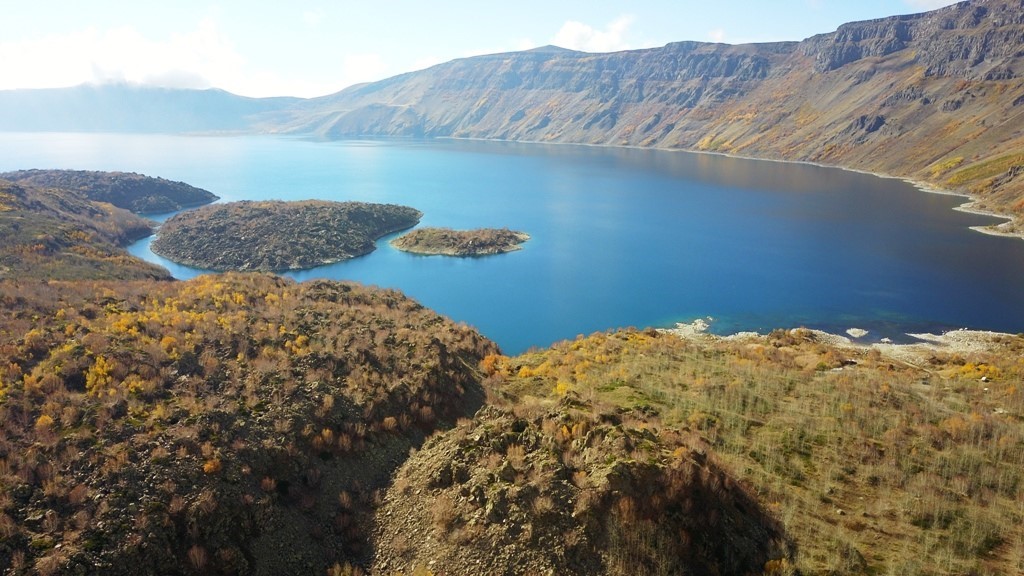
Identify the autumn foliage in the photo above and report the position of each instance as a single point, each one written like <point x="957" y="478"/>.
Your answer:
<point x="153" y="424"/>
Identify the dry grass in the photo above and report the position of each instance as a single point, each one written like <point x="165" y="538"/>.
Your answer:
<point x="874" y="466"/>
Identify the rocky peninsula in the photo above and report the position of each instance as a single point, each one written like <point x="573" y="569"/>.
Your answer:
<point x="278" y="235"/>
<point x="448" y="242"/>
<point x="134" y="192"/>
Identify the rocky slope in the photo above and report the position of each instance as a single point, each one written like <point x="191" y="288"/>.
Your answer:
<point x="570" y="491"/>
<point x="225" y="425"/>
<point x="937" y="97"/>
<point x="134" y="192"/>
<point x="275" y="235"/>
<point x="58" y="234"/>
<point x="872" y="460"/>
<point x="445" y="241"/>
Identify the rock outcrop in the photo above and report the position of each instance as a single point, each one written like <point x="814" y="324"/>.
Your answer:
<point x="567" y="492"/>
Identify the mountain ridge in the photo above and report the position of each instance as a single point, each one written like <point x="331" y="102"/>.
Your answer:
<point x="934" y="97"/>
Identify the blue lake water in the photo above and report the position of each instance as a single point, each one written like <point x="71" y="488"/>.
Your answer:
<point x="620" y="237"/>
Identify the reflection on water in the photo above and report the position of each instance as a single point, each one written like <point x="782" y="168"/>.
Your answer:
<point x="619" y="236"/>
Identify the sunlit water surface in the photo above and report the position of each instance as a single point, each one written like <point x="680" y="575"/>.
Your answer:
<point x="620" y="237"/>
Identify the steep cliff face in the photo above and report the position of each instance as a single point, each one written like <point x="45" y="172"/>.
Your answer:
<point x="551" y="94"/>
<point x="935" y="96"/>
<point x="970" y="40"/>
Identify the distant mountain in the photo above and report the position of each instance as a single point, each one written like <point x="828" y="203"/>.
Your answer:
<point x="129" y="108"/>
<point x="935" y="96"/>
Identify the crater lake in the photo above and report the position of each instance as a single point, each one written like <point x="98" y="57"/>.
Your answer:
<point x="619" y="237"/>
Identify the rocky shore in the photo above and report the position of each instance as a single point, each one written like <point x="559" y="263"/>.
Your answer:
<point x="961" y="341"/>
<point x="448" y="242"/>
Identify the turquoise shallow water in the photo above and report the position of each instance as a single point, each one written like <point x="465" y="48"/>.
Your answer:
<point x="620" y="237"/>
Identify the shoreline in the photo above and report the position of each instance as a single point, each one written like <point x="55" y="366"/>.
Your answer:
<point x="970" y="207"/>
<point x="958" y="341"/>
<point x="459" y="235"/>
<point x="926" y="187"/>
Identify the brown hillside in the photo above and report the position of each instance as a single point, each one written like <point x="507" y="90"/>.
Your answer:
<point x="224" y="425"/>
<point x="570" y="490"/>
<point x="59" y="234"/>
<point x="134" y="192"/>
<point x="873" y="464"/>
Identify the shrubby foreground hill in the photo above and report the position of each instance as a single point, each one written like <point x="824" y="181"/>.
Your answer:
<point x="229" y="424"/>
<point x="873" y="462"/>
<point x="246" y="424"/>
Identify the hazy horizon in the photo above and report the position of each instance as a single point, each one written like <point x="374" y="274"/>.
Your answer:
<point x="323" y="47"/>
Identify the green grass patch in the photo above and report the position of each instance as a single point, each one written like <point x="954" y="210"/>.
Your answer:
<point x="945" y="166"/>
<point x="985" y="169"/>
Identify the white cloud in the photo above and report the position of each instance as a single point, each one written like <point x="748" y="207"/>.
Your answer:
<point x="177" y="79"/>
<point x="928" y="4"/>
<point x="198" y="59"/>
<point x="364" y="67"/>
<point x="580" y="36"/>
<point x="716" y="35"/>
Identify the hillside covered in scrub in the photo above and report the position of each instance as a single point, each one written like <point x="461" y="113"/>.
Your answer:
<point x="445" y="241"/>
<point x="134" y="192"/>
<point x="245" y="424"/>
<point x="58" y="234"/>
<point x="228" y="424"/>
<point x="872" y="462"/>
<point x="278" y="235"/>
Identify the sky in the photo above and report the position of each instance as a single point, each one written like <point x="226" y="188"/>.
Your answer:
<point x="312" y="48"/>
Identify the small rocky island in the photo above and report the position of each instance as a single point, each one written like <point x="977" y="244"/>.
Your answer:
<point x="278" y="235"/>
<point x="448" y="242"/>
